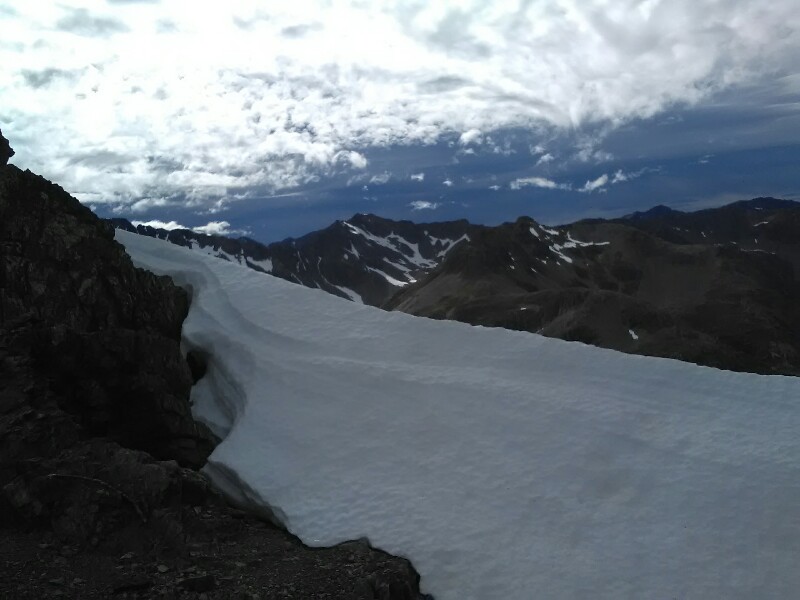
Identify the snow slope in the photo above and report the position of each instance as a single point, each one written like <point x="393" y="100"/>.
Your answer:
<point x="503" y="464"/>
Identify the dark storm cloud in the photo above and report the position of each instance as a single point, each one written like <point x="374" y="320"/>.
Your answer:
<point x="165" y="164"/>
<point x="43" y="78"/>
<point x="103" y="159"/>
<point x="80" y="22"/>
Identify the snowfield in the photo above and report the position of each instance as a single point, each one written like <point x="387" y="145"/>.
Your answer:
<point x="505" y="465"/>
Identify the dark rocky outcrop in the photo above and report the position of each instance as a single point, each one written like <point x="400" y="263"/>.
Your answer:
<point x="5" y="151"/>
<point x="103" y="334"/>
<point x="99" y="496"/>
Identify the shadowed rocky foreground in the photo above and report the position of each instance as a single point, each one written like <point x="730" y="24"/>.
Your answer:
<point x="100" y="494"/>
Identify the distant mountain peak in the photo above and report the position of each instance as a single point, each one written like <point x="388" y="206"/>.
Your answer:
<point x="659" y="210"/>
<point x="366" y="258"/>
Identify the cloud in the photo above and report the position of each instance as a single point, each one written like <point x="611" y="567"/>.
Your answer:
<point x="448" y="183"/>
<point x="168" y="225"/>
<point x="80" y="22"/>
<point x="381" y="178"/>
<point x="215" y="228"/>
<point x="473" y="136"/>
<point x="282" y="99"/>
<point x="418" y="177"/>
<point x="545" y="158"/>
<point x="298" y="31"/>
<point x="539" y="182"/>
<point x="620" y="177"/>
<point x="356" y="159"/>
<point x="591" y="185"/>
<point x="423" y="205"/>
<point x="595" y="184"/>
<point x="45" y="77"/>
<point x="589" y="149"/>
<point x="211" y="228"/>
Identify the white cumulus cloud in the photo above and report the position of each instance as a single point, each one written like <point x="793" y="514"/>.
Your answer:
<point x="423" y="205"/>
<point x="595" y="184"/>
<point x="381" y="178"/>
<point x="545" y="158"/>
<point x="211" y="228"/>
<point x="473" y="136"/>
<point x="215" y="228"/>
<point x="168" y="225"/>
<point x="539" y="182"/>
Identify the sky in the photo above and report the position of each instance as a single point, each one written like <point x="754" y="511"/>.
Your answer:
<point x="273" y="119"/>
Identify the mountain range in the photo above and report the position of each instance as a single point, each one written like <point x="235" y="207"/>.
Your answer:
<point x="717" y="287"/>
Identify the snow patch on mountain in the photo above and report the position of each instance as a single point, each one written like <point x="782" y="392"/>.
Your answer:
<point x="387" y="277"/>
<point x="381" y="241"/>
<point x="264" y="265"/>
<point x="557" y="249"/>
<point x="446" y="244"/>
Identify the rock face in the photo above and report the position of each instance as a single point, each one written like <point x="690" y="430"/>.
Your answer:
<point x="105" y="335"/>
<point x="5" y="150"/>
<point x="98" y="448"/>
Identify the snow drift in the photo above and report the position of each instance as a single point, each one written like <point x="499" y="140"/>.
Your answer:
<point x="503" y="464"/>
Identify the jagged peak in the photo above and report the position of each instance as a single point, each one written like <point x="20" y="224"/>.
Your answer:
<point x="659" y="210"/>
<point x="6" y="152"/>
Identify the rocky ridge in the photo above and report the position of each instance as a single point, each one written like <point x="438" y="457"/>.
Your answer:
<point x="99" y="490"/>
<point x="365" y="258"/>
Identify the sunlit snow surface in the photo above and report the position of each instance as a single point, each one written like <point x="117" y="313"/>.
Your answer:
<point x="503" y="464"/>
